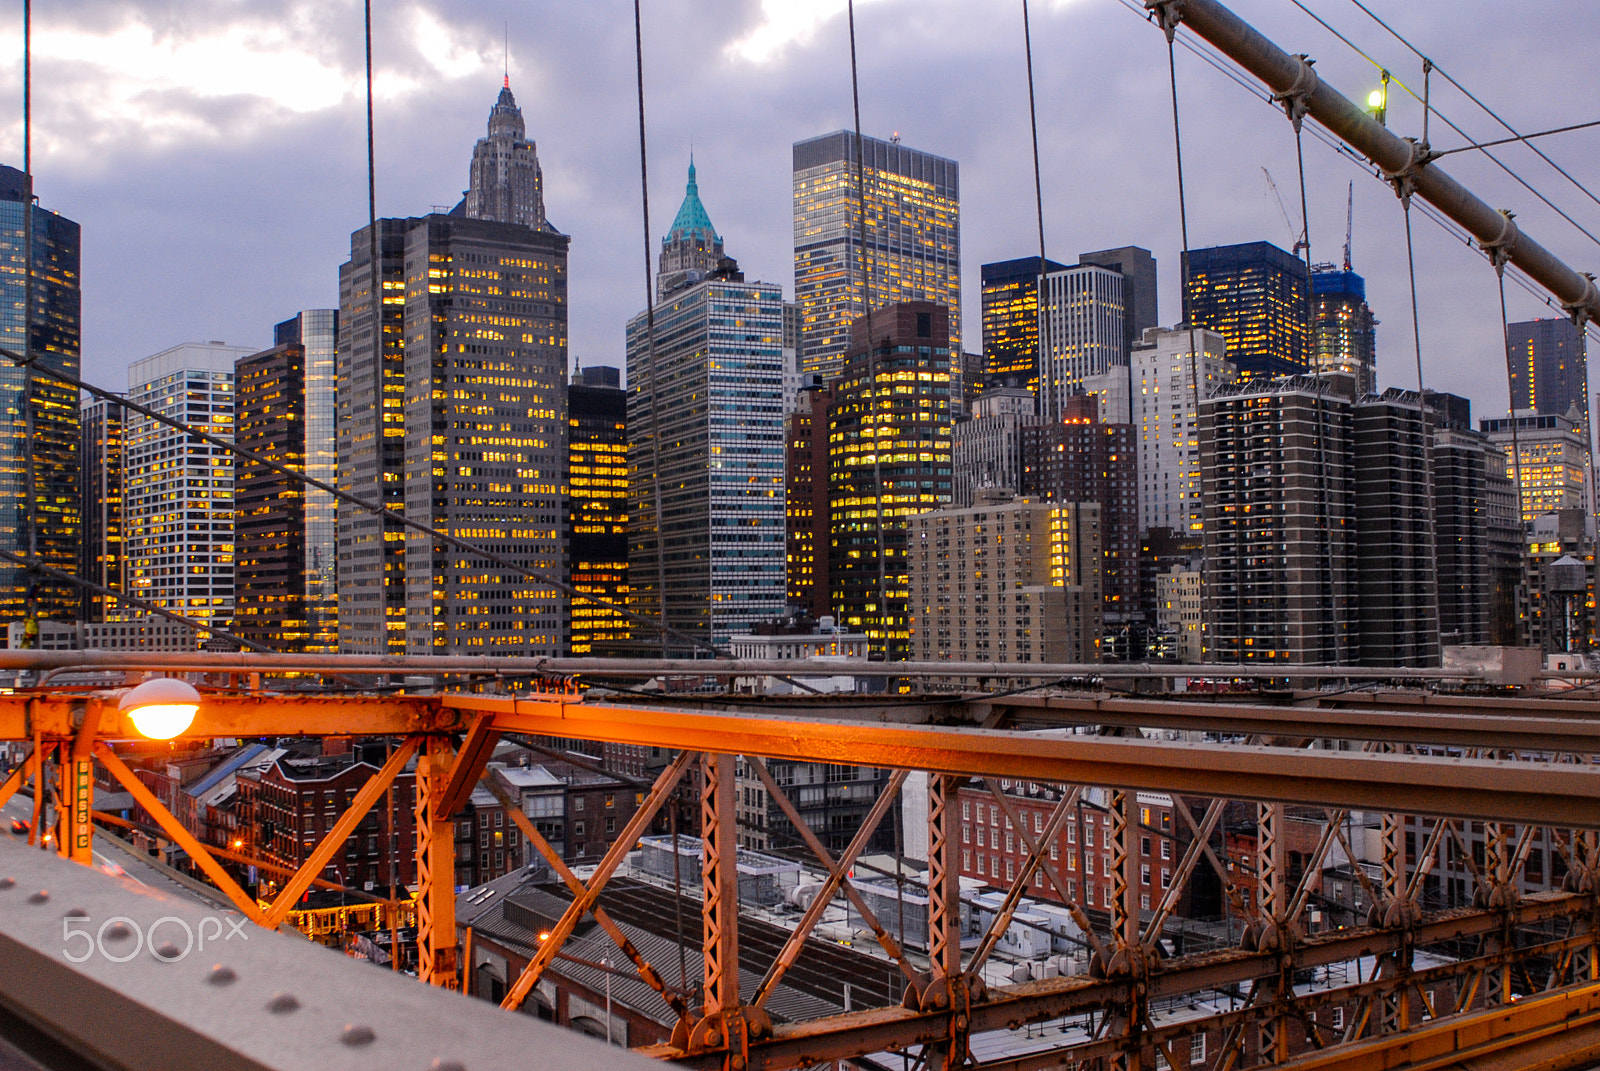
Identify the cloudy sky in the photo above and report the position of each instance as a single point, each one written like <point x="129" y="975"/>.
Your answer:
<point x="215" y="152"/>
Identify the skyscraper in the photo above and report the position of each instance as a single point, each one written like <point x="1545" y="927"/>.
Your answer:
<point x="506" y="182"/>
<point x="178" y="503"/>
<point x="100" y="488"/>
<point x="913" y="238"/>
<point x="806" y="502"/>
<point x="372" y="440"/>
<point x="1084" y="332"/>
<point x="1279" y="528"/>
<point x="486" y="443"/>
<point x="1010" y="299"/>
<point x="706" y="444"/>
<point x="1076" y="458"/>
<point x="1139" y="294"/>
<point x="39" y="460"/>
<point x="889" y="447"/>
<point x="692" y="249"/>
<point x="597" y="508"/>
<point x="1345" y="329"/>
<point x="451" y="363"/>
<point x="1258" y="298"/>
<point x="286" y="576"/>
<point x="1463" y="462"/>
<point x="1165" y="422"/>
<point x="1547" y="367"/>
<point x="988" y="447"/>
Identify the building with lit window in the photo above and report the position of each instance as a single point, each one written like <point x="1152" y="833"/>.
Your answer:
<point x="1006" y="580"/>
<point x="913" y="239"/>
<point x="1164" y="399"/>
<point x="486" y="444"/>
<point x="1084" y="332"/>
<point x="286" y="577"/>
<point x="100" y="490"/>
<point x="1548" y="367"/>
<point x="370" y="439"/>
<point x="1345" y="331"/>
<point x="40" y="415"/>
<point x="1010" y="303"/>
<point x="988" y="447"/>
<point x="597" y="507"/>
<point x="1551" y="458"/>
<point x="890" y="458"/>
<point x="805" y="481"/>
<point x="178" y="502"/>
<point x="706" y="449"/>
<point x="1076" y="458"/>
<point x="1258" y="298"/>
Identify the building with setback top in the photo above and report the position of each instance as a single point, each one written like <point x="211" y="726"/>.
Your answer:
<point x="1258" y="298"/>
<point x="39" y="461"/>
<point x="1548" y="454"/>
<point x="706" y="444"/>
<point x="1345" y="331"/>
<point x="913" y="239"/>
<point x="286" y="579"/>
<point x="890" y="457"/>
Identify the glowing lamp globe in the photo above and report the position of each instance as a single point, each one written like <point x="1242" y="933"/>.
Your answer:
<point x="161" y="708"/>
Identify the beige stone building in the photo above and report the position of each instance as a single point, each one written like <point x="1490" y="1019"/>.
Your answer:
<point x="1006" y="580"/>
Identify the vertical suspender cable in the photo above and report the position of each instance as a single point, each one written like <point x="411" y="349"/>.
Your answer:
<point x="1511" y="400"/>
<point x="30" y="484"/>
<point x="1411" y="268"/>
<point x="1191" y="468"/>
<point x="872" y="349"/>
<point x="1033" y="125"/>
<point x="650" y="349"/>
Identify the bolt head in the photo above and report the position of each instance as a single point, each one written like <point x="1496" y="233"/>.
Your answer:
<point x="118" y="931"/>
<point x="40" y="897"/>
<point x="220" y="975"/>
<point x="441" y="1064"/>
<point x="356" y="1035"/>
<point x="282" y="1003"/>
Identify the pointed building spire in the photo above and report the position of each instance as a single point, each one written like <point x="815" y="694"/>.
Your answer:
<point x="692" y="249"/>
<point x="506" y="182"/>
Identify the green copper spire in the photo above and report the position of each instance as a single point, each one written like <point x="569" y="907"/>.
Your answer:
<point x="692" y="219"/>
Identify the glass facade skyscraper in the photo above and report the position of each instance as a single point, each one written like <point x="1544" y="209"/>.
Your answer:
<point x="286" y="583"/>
<point x="1258" y="298"/>
<point x="1084" y="335"/>
<point x="597" y="508"/>
<point x="913" y="238"/>
<point x="1011" y="322"/>
<point x="39" y="459"/>
<point x="1546" y="359"/>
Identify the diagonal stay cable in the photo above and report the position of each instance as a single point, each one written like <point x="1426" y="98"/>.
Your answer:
<point x="354" y="500"/>
<point x="1468" y="93"/>
<point x="1524" y="183"/>
<point x="137" y="603"/>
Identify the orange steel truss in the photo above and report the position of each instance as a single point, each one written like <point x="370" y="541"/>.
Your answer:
<point x="1526" y="967"/>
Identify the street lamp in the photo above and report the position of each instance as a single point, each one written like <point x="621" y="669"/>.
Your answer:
<point x="162" y="707"/>
<point x="1378" y="102"/>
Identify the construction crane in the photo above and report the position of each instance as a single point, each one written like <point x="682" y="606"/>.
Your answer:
<point x="1349" y="221"/>
<point x="1283" y="207"/>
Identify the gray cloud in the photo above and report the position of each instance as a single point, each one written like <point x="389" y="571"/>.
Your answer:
<point x="234" y="210"/>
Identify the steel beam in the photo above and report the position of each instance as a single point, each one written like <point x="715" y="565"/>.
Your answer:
<point x="436" y="865"/>
<point x="1399" y="157"/>
<point x="1461" y="788"/>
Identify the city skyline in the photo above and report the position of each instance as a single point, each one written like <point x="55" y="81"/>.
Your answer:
<point x="123" y="178"/>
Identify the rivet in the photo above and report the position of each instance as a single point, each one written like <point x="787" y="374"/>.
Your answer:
<point x="76" y="913"/>
<point x="441" y="1064"/>
<point x="357" y="1035"/>
<point x="118" y="931"/>
<point x="8" y="883"/>
<point x="169" y="951"/>
<point x="220" y="975"/>
<point x="282" y="1003"/>
<point x="39" y="897"/>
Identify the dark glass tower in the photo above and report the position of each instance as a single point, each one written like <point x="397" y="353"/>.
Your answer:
<point x="101" y="489"/>
<point x="597" y="508"/>
<point x="39" y="493"/>
<point x="891" y="444"/>
<point x="285" y="582"/>
<point x="1011" y="322"/>
<point x="1547" y="367"/>
<point x="1258" y="298"/>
